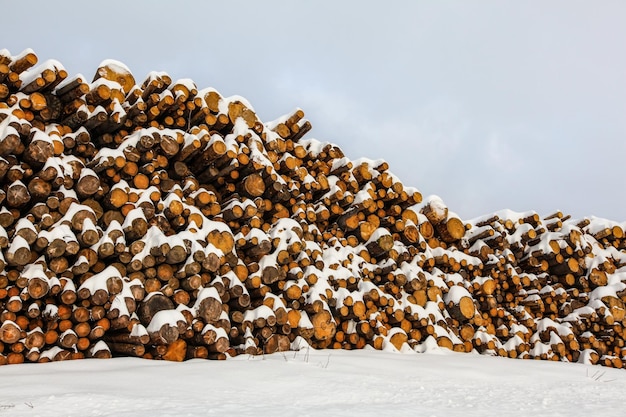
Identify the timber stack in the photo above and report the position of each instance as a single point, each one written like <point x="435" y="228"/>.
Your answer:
<point x="156" y="219"/>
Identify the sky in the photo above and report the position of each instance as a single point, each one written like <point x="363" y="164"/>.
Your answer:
<point x="487" y="104"/>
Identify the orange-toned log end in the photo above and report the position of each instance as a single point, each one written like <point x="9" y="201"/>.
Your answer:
<point x="596" y="277"/>
<point x="113" y="71"/>
<point x="235" y="110"/>
<point x="411" y="233"/>
<point x="571" y="266"/>
<point x="212" y="99"/>
<point x="426" y="229"/>
<point x="433" y="293"/>
<point x="293" y="292"/>
<point x="323" y="325"/>
<point x="37" y="288"/>
<point x="451" y="230"/>
<point x="276" y="343"/>
<point x="617" y="231"/>
<point x="10" y="332"/>
<point x="366" y="229"/>
<point x="398" y="339"/>
<point x="24" y="62"/>
<point x="466" y="332"/>
<point x="445" y="342"/>
<point x="224" y="241"/>
<point x="617" y="362"/>
<point x="241" y="271"/>
<point x="14" y="358"/>
<point x="117" y="197"/>
<point x="250" y="117"/>
<point x="349" y="221"/>
<point x="254" y="185"/>
<point x="616" y="305"/>
<point x="488" y="287"/>
<point x="462" y="311"/>
<point x="421" y="297"/>
<point x="293" y="318"/>
<point x="377" y="342"/>
<point x="141" y="181"/>
<point x="282" y="130"/>
<point x="359" y="309"/>
<point x="176" y="351"/>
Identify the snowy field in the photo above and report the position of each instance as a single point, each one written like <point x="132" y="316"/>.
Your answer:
<point x="313" y="383"/>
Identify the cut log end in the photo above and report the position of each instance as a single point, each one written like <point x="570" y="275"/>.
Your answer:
<point x="324" y="326"/>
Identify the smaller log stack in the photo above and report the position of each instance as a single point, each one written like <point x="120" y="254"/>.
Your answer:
<point x="154" y="219"/>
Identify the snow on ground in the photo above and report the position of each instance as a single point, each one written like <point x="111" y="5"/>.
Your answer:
<point x="313" y="383"/>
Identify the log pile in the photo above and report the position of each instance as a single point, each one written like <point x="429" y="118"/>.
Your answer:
<point x="155" y="219"/>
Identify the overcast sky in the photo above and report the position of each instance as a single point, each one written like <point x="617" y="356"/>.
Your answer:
<point x="488" y="104"/>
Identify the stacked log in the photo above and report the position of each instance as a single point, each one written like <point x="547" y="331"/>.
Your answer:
<point x="154" y="219"/>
